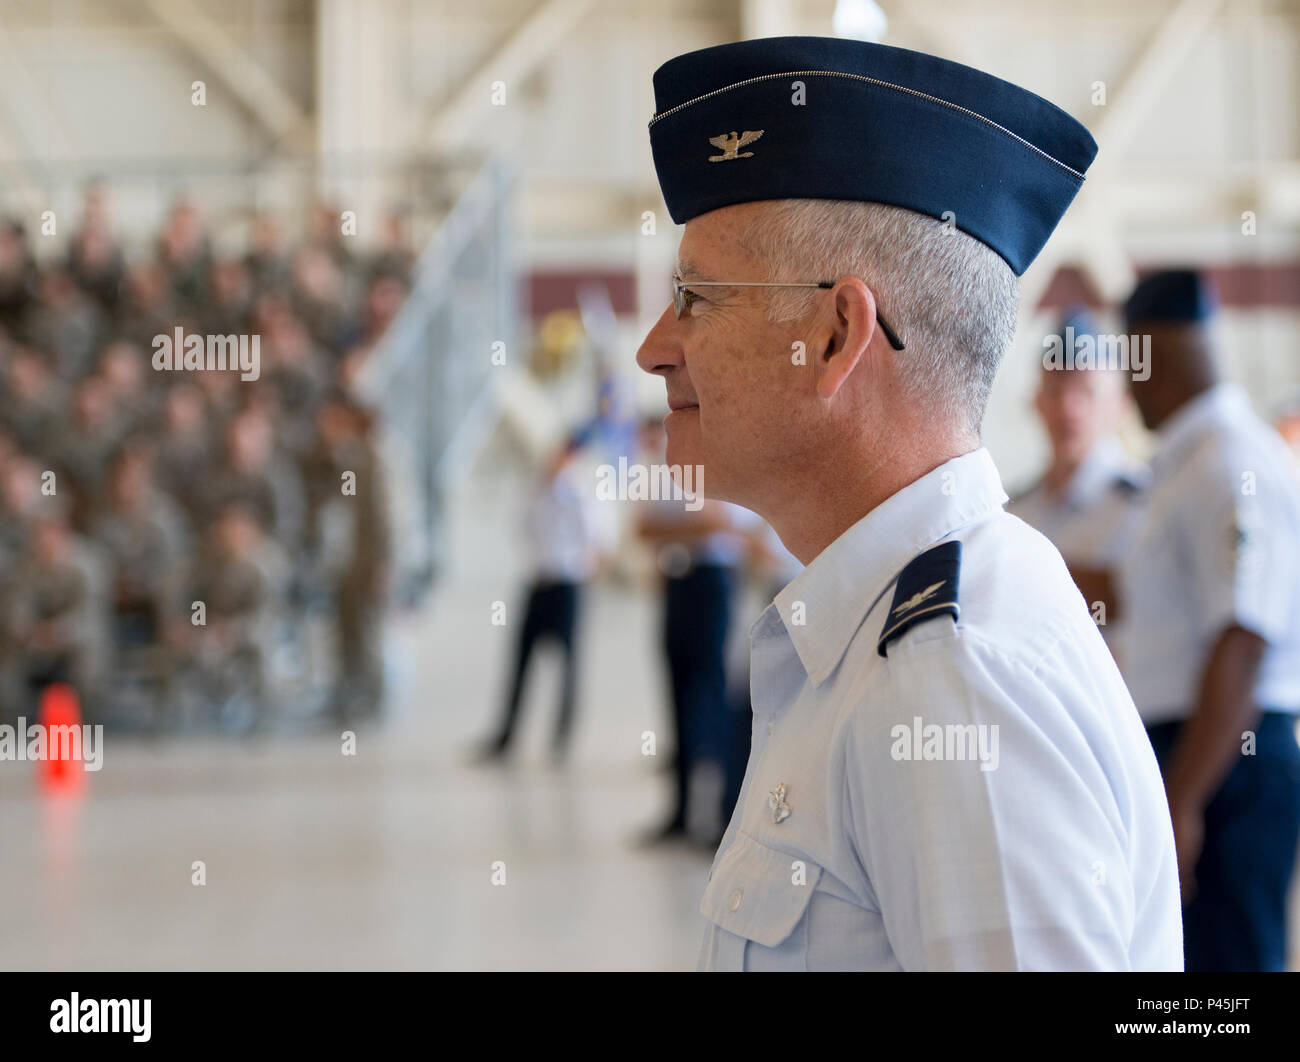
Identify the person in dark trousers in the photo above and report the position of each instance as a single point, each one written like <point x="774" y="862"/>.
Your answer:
<point x="561" y="535"/>
<point x="699" y="548"/>
<point x="1210" y="598"/>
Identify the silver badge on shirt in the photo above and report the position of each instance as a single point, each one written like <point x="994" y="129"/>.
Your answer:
<point x="776" y="801"/>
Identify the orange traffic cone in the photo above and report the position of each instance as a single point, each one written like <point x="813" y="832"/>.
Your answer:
<point x="61" y="771"/>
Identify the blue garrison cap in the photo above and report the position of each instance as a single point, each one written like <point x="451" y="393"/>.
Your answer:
<point x="876" y="124"/>
<point x="1181" y="296"/>
<point x="1079" y="318"/>
<point x="1076" y="322"/>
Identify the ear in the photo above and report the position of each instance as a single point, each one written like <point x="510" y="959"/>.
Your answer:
<point x="852" y="326"/>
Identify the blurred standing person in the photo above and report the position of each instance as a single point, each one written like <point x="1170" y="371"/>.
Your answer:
<point x="359" y="497"/>
<point x="20" y="498"/>
<point x="266" y="261"/>
<point x="385" y="295"/>
<point x="394" y="256"/>
<point x="258" y="477"/>
<point x="82" y="455"/>
<point x="133" y="388"/>
<point x="66" y="323"/>
<point x="240" y="580"/>
<point x="698" y="549"/>
<point x="230" y="303"/>
<point x="185" y="446"/>
<point x="563" y="545"/>
<point x="31" y="405"/>
<point x="143" y="534"/>
<point x="295" y="372"/>
<point x="1211" y="590"/>
<point x="94" y="257"/>
<point x="147" y="308"/>
<point x="1088" y="501"/>
<point x="321" y="299"/>
<point x="185" y="254"/>
<point x="325" y="233"/>
<point x="17" y="270"/>
<point x="59" y="607"/>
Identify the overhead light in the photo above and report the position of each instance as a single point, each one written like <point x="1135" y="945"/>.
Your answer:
<point x="859" y="20"/>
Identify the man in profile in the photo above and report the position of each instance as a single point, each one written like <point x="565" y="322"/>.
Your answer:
<point x="947" y="771"/>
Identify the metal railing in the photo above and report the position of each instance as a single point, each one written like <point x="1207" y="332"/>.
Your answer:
<point x="431" y="377"/>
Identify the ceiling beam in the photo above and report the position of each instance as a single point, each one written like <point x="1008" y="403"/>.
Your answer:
<point x="241" y="75"/>
<point x="515" y="56"/>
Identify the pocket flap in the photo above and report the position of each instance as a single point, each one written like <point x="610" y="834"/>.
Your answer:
<point x="752" y="893"/>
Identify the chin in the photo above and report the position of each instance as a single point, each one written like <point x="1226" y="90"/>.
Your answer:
<point x="683" y="444"/>
<point x="683" y="456"/>
<point x="688" y="457"/>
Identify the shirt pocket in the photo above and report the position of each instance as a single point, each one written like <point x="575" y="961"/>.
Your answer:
<point x="759" y="893"/>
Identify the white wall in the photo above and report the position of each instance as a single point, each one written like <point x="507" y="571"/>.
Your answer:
<point x="105" y="83"/>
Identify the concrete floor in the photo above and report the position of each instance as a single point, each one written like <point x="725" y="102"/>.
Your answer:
<point x="382" y="860"/>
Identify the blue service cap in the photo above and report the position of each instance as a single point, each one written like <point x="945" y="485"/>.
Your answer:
<point x="1175" y="295"/>
<point x="876" y="124"/>
<point x="1081" y="319"/>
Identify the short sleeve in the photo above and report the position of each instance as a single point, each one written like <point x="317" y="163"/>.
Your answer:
<point x="1243" y="564"/>
<point x="1010" y="859"/>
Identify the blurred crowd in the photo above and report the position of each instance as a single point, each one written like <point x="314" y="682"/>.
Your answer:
<point x="164" y="535"/>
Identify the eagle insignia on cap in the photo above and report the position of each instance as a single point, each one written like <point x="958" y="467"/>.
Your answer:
<point x="1023" y="160"/>
<point x="731" y="143"/>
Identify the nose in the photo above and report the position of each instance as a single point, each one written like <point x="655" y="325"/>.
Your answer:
<point x="661" y="350"/>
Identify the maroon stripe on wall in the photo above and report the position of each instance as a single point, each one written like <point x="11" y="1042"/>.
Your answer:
<point x="550" y="290"/>
<point x="1242" y="285"/>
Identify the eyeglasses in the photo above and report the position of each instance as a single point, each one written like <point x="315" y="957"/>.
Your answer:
<point x="683" y="298"/>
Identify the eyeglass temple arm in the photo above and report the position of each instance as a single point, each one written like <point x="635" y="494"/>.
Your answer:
<point x="890" y="334"/>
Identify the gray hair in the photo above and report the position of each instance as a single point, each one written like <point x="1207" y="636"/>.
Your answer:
<point x="950" y="297"/>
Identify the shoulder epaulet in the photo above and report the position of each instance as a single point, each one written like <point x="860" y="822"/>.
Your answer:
<point x="926" y="588"/>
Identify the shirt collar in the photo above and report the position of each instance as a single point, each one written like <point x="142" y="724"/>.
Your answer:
<point x="1220" y="402"/>
<point x="844" y="582"/>
<point x="1106" y="462"/>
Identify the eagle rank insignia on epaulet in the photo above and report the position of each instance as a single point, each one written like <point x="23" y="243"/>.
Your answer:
<point x="926" y="588"/>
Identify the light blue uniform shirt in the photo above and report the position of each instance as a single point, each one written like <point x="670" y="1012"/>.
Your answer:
<point x="1218" y="548"/>
<point x="1038" y="840"/>
<point x="1095" y="520"/>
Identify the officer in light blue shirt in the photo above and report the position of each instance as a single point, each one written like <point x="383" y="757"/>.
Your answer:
<point x="947" y="771"/>
<point x="1211" y="595"/>
<point x="1088" y="500"/>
